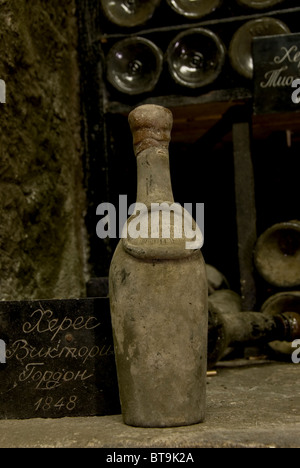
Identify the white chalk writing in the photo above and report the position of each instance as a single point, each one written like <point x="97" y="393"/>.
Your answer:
<point x="22" y="350"/>
<point x="45" y="323"/>
<point x="292" y="55"/>
<point x="48" y="403"/>
<point x="282" y="77"/>
<point x="48" y="380"/>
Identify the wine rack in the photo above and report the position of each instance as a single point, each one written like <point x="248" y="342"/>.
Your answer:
<point x="219" y="150"/>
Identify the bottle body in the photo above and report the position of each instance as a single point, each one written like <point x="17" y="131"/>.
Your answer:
<point x="195" y="57"/>
<point x="259" y="4"/>
<point x="195" y="9"/>
<point x="160" y="338"/>
<point x="277" y="254"/>
<point x="134" y="65"/>
<point x="240" y="50"/>
<point x="129" y="13"/>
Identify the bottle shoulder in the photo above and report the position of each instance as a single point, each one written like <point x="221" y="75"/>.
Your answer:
<point x="163" y="230"/>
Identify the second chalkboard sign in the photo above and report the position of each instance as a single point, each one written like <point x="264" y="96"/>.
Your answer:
<point x="276" y="73"/>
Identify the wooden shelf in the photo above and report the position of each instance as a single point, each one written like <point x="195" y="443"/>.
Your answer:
<point x="195" y="116"/>
<point x="265" y="124"/>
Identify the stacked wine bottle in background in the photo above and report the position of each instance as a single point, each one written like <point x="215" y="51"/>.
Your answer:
<point x="178" y="46"/>
<point x="194" y="57"/>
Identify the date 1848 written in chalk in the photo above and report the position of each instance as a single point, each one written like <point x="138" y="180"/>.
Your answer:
<point x="59" y="359"/>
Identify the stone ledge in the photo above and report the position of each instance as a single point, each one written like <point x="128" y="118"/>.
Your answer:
<point x="249" y="404"/>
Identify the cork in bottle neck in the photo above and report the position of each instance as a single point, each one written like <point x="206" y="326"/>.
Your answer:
<point x="151" y="126"/>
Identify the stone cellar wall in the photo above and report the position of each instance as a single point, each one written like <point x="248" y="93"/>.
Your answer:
<point x="43" y="247"/>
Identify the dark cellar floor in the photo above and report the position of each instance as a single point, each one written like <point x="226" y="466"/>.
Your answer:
<point x="253" y="404"/>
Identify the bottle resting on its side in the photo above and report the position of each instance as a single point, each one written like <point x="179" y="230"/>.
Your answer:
<point x="129" y="13"/>
<point x="134" y="65"/>
<point x="196" y="57"/>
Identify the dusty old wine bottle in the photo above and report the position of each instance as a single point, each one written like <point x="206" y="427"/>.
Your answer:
<point x="259" y="4"/>
<point x="134" y="65"/>
<point x="277" y="254"/>
<point x="240" y="50"/>
<point x="158" y="296"/>
<point x="194" y="9"/>
<point x="195" y="57"/>
<point x="129" y="13"/>
<point x="228" y="326"/>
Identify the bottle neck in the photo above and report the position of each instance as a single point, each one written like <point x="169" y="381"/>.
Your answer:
<point x="289" y="325"/>
<point x="250" y="327"/>
<point x="153" y="176"/>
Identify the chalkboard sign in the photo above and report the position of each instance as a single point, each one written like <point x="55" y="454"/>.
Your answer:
<point x="276" y="61"/>
<point x="59" y="359"/>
